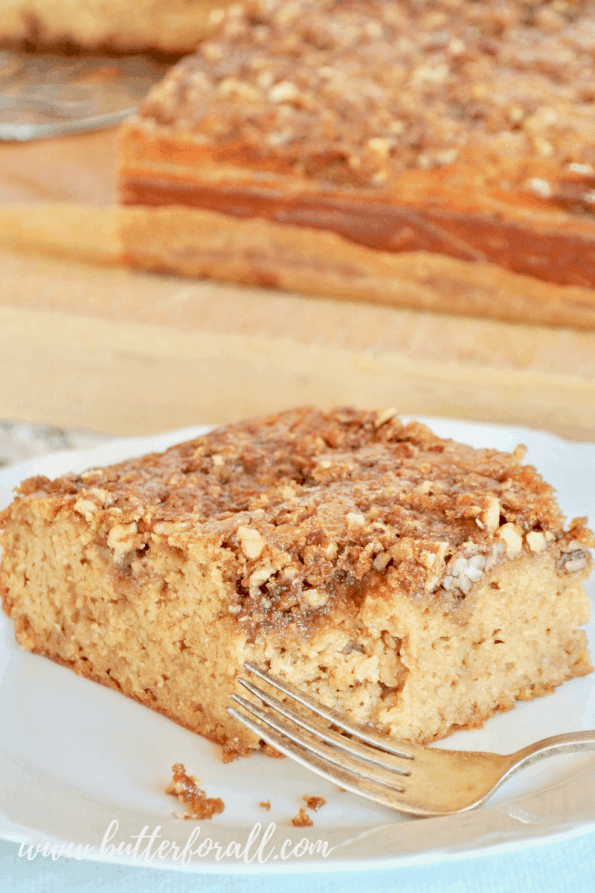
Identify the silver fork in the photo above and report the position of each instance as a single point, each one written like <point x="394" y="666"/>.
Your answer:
<point x="409" y="778"/>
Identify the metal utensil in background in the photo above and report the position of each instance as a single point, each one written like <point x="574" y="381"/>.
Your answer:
<point x="44" y="95"/>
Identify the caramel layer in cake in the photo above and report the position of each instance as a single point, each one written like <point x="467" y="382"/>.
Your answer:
<point x="414" y="583"/>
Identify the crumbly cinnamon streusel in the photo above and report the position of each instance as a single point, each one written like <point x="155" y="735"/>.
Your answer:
<point x="358" y="91"/>
<point x="312" y="507"/>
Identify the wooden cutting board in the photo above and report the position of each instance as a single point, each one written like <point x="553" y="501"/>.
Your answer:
<point x="87" y="343"/>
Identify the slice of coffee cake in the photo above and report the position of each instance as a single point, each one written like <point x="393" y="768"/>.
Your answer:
<point x="413" y="582"/>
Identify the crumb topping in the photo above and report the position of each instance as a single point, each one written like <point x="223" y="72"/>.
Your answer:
<point x="302" y="819"/>
<point x="314" y="802"/>
<point x="307" y="510"/>
<point x="358" y="91"/>
<point x="186" y="789"/>
<point x="265" y="804"/>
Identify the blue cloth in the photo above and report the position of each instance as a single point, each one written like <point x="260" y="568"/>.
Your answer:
<point x="567" y="865"/>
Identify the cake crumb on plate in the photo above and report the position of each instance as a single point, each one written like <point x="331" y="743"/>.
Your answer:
<point x="186" y="788"/>
<point x="314" y="802"/>
<point x="302" y="819"/>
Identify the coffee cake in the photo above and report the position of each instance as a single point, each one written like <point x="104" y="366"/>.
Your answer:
<point x="433" y="154"/>
<point x="417" y="584"/>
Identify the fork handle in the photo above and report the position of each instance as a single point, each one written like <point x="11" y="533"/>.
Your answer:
<point x="571" y="742"/>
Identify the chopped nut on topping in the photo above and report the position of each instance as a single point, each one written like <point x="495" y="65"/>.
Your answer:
<point x="121" y="538"/>
<point x="437" y="568"/>
<point x="427" y="559"/>
<point x="384" y="415"/>
<point x="212" y="51"/>
<point x="396" y="552"/>
<point x="265" y="79"/>
<point x="315" y="598"/>
<point x="167" y="528"/>
<point x="381" y="146"/>
<point x="456" y="47"/>
<point x="373" y="29"/>
<point x="381" y="560"/>
<point x="355" y="519"/>
<point x="260" y="576"/>
<point x="86" y="507"/>
<point x="232" y="87"/>
<point x="285" y="91"/>
<point x="216" y="16"/>
<point x="389" y="641"/>
<point x="463" y="571"/>
<point x="515" y="114"/>
<point x="540" y="187"/>
<point x="512" y="539"/>
<point x="541" y="120"/>
<point x="432" y="74"/>
<point x="423" y="488"/>
<point x="491" y="517"/>
<point x="92" y="473"/>
<point x="575" y="559"/>
<point x="572" y="565"/>
<point x="543" y="147"/>
<point x="536" y="541"/>
<point x="251" y="541"/>
<point x="102" y="496"/>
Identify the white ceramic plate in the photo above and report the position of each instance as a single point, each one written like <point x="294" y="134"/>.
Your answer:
<point x="76" y="757"/>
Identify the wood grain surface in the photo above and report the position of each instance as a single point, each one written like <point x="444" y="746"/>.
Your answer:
<point x="87" y="343"/>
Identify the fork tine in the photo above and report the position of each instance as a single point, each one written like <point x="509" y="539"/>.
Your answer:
<point x="404" y="750"/>
<point x="377" y="792"/>
<point x="312" y="744"/>
<point x="350" y="746"/>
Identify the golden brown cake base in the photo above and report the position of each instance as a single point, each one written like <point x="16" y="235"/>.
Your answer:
<point x="413" y="583"/>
